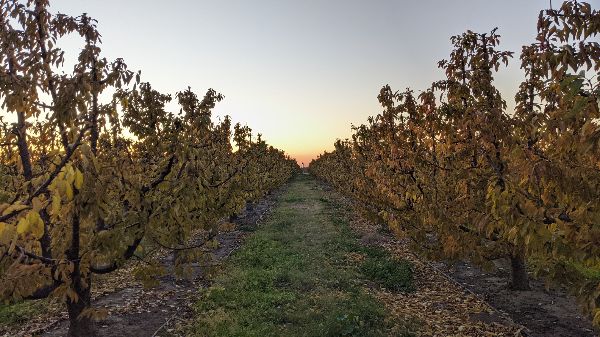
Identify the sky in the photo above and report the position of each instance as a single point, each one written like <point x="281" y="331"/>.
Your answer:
<point x="301" y="72"/>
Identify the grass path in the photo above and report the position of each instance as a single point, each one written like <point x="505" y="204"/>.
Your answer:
<point x="302" y="274"/>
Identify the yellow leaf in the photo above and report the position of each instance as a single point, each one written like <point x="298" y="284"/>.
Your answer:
<point x="69" y="174"/>
<point x="7" y="232"/>
<point x="55" y="204"/>
<point x="13" y="208"/>
<point x="23" y="226"/>
<point x="69" y="191"/>
<point x="512" y="233"/>
<point x="78" y="179"/>
<point x="36" y="224"/>
<point x="597" y="317"/>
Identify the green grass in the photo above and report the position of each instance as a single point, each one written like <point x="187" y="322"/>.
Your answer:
<point x="18" y="313"/>
<point x="293" y="277"/>
<point x="589" y="273"/>
<point x="390" y="273"/>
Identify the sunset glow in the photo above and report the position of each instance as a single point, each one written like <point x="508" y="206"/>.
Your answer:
<point x="300" y="73"/>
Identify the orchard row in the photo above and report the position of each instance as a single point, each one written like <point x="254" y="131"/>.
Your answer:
<point x="461" y="177"/>
<point x="94" y="169"/>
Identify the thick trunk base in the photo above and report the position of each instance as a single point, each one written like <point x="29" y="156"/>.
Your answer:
<point x="83" y="327"/>
<point x="519" y="277"/>
<point x="80" y="326"/>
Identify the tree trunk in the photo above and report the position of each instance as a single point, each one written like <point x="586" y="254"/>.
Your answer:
<point x="23" y="146"/>
<point x="176" y="252"/>
<point x="80" y="326"/>
<point x="519" y="277"/>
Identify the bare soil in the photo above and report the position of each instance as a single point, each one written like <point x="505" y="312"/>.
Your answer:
<point x="545" y="313"/>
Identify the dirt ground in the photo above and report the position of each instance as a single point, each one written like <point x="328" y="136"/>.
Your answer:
<point x="551" y="313"/>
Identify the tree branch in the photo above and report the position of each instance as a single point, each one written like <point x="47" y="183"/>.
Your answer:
<point x="161" y="177"/>
<point x="70" y="150"/>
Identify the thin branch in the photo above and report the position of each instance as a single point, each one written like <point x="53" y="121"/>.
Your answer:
<point x="163" y="175"/>
<point x="129" y="252"/>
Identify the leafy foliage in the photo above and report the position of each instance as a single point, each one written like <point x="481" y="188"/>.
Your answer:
<point x="455" y="172"/>
<point x="85" y="184"/>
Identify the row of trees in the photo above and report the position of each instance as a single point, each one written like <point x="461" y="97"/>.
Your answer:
<point x="461" y="177"/>
<point x="85" y="183"/>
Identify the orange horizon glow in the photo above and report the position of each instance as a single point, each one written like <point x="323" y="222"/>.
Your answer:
<point x="304" y="158"/>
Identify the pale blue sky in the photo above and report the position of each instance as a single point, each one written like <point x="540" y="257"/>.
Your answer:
<point x="301" y="72"/>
